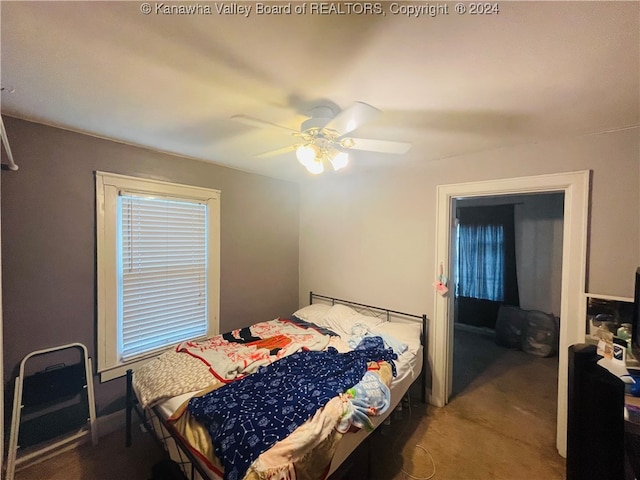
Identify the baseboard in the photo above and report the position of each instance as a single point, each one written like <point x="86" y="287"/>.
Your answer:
<point x="110" y="423"/>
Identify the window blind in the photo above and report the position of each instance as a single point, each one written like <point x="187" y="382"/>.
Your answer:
<point x="162" y="273"/>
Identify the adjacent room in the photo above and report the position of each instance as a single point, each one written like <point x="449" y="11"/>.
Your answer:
<point x="177" y="177"/>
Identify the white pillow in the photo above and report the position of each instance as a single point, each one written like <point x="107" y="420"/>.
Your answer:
<point x="313" y="313"/>
<point x="336" y="318"/>
<point x="341" y="319"/>
<point x="407" y="333"/>
<point x="369" y="322"/>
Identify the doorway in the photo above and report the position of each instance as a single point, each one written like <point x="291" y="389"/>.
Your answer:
<point x="506" y="250"/>
<point x="575" y="186"/>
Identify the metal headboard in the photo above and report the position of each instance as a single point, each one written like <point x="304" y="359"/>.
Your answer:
<point x="387" y="314"/>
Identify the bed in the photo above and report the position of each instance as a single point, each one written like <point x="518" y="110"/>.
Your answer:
<point x="282" y="399"/>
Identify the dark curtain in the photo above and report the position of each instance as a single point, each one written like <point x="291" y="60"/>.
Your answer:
<point x="486" y="272"/>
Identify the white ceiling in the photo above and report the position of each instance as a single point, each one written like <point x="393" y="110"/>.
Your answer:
<point x="450" y="84"/>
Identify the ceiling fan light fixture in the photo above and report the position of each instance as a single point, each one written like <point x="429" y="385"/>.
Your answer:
<point x="306" y="154"/>
<point x="315" y="166"/>
<point x="339" y="161"/>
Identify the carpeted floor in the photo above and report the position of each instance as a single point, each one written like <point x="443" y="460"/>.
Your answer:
<point x="109" y="460"/>
<point x="500" y="424"/>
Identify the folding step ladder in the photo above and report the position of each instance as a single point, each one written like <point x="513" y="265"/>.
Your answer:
<point x="48" y="397"/>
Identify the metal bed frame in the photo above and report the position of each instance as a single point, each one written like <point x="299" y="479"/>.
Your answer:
<point x="163" y="433"/>
<point x="186" y="459"/>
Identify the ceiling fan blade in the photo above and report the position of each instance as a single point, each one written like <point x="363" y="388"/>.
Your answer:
<point x="279" y="151"/>
<point x="351" y="118"/>
<point x="255" y="122"/>
<point x="382" y="146"/>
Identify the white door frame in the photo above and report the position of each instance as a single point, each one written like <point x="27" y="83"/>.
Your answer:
<point x="575" y="186"/>
<point x="1" y="361"/>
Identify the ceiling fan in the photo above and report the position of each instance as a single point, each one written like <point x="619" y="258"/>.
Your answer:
<point x="323" y="137"/>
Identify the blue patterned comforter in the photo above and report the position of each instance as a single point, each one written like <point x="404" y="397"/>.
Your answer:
<point x="247" y="417"/>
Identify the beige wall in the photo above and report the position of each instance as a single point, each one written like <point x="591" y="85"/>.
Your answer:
<point x="48" y="244"/>
<point x="371" y="237"/>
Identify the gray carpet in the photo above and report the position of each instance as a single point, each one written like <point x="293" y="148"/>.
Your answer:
<point x="499" y="424"/>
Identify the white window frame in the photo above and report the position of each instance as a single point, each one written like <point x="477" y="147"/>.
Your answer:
<point x="108" y="188"/>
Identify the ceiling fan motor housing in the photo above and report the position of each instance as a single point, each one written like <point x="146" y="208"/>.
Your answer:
<point x="314" y="123"/>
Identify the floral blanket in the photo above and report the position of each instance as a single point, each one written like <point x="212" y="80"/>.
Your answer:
<point x="195" y="366"/>
<point x="234" y="355"/>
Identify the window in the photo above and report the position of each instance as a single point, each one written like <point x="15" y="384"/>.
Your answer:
<point x="480" y="272"/>
<point x="158" y="268"/>
<point x="486" y="265"/>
